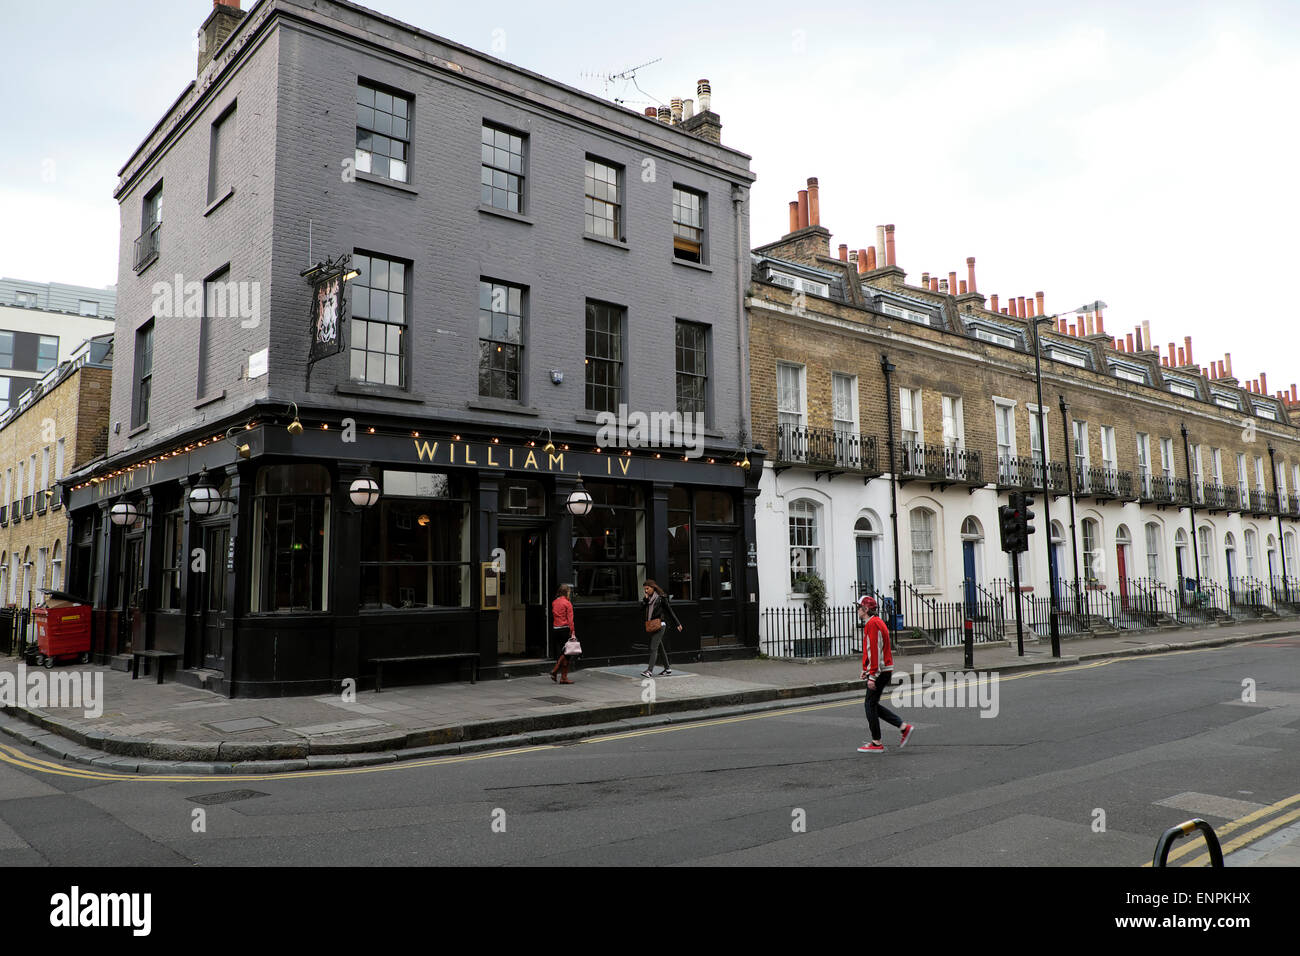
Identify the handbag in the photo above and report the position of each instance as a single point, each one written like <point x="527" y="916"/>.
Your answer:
<point x="571" y="646"/>
<point x="652" y="626"/>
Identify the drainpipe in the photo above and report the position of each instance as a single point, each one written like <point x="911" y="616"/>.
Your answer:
<point x="1191" y="507"/>
<point x="742" y="327"/>
<point x="1281" y="533"/>
<point x="888" y="368"/>
<point x="1069" y="485"/>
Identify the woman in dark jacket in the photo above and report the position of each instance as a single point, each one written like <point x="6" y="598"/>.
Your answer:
<point x="657" y="609"/>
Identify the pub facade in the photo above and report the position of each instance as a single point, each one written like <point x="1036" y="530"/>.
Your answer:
<point x="408" y="463"/>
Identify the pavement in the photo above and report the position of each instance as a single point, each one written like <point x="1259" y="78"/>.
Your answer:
<point x="175" y="729"/>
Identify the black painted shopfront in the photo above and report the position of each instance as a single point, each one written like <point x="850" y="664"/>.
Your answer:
<point x="288" y="587"/>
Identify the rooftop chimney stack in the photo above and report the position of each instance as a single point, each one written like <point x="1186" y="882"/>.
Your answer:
<point x="1263" y="383"/>
<point x="1138" y="338"/>
<point x="704" y="93"/>
<point x="1227" y="360"/>
<point x="993" y="302"/>
<point x="871" y="259"/>
<point x="651" y="112"/>
<point x="952" y="282"/>
<point x="221" y="22"/>
<point x="1128" y="342"/>
<point x="963" y="286"/>
<point x="803" y="209"/>
<point x="688" y="109"/>
<point x="1038" y="297"/>
<point x="943" y="286"/>
<point x="1146" y="334"/>
<point x="864" y="259"/>
<point x="970" y="274"/>
<point x="665" y="114"/>
<point x="705" y="124"/>
<point x="794" y="215"/>
<point x="844" y="252"/>
<point x="889" y="245"/>
<point x="1182" y="358"/>
<point x="1172" y="354"/>
<point x="925" y="280"/>
<point x="1101" y="326"/>
<point x="1020" y="307"/>
<point x="880" y="245"/>
<point x="1187" y="343"/>
<point x="814" y="208"/>
<point x="1087" y="320"/>
<point x="675" y="106"/>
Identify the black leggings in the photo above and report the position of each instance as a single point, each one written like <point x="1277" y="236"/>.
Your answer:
<point x="875" y="709"/>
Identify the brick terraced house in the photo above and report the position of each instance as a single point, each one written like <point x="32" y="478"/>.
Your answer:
<point x="899" y="415"/>
<point x="523" y="258"/>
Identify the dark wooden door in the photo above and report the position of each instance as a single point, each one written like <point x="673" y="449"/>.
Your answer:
<point x="717" y="589"/>
<point x="216" y="545"/>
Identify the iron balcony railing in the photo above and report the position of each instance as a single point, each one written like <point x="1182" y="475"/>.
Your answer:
<point x="826" y="448"/>
<point x="1263" y="502"/>
<point x="147" y="246"/>
<point x="1214" y="496"/>
<point x="1159" y="489"/>
<point x="939" y="463"/>
<point x="1102" y="482"/>
<point x="1027" y="474"/>
<point x="1182" y="492"/>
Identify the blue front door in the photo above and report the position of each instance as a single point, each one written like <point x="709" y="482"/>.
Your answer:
<point x="968" y="563"/>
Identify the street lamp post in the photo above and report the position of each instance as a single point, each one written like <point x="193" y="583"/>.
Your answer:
<point x="1053" y="625"/>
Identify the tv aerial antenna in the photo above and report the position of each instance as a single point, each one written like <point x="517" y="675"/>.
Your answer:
<point x="626" y="76"/>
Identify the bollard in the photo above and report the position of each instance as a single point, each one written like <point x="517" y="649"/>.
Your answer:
<point x="969" y="641"/>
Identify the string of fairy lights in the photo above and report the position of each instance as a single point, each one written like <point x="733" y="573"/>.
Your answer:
<point x="127" y="470"/>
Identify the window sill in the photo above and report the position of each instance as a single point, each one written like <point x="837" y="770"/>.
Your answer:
<point x="139" y="429"/>
<point x="692" y="265"/>
<point x="506" y="214"/>
<point x="209" y="399"/>
<point x="499" y="405"/>
<point x="616" y="243"/>
<point x="589" y="418"/>
<point x="388" y="392"/>
<point x="366" y="177"/>
<point x="212" y="206"/>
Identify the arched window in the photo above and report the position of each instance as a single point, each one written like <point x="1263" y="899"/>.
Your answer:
<point x="863" y="526"/>
<point x="805" y="544"/>
<point x="922" y="522"/>
<point x="1091" y="556"/>
<point x="1230" y="557"/>
<point x="970" y="530"/>
<point x="1153" y="550"/>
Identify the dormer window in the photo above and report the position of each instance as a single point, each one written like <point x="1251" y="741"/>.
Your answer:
<point x="800" y="284"/>
<point x="1224" y="400"/>
<point x="911" y="315"/>
<point x="1130" y="373"/>
<point x="1180" y="387"/>
<point x="1068" y="356"/>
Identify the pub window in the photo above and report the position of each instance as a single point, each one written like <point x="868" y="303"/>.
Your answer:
<point x="679" y="543"/>
<point x="609" y="545"/>
<point x="415" y="551"/>
<point x="714" y="507"/>
<point x="173" y="559"/>
<point x="291" y="538"/>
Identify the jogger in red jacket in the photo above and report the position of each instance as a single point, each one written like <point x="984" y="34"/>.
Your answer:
<point x="877" y="671"/>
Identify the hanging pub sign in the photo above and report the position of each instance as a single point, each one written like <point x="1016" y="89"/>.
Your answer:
<point x="328" y="304"/>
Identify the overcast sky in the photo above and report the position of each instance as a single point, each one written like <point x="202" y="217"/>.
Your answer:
<point x="1142" y="153"/>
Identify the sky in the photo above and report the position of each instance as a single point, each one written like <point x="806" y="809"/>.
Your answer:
<point x="1140" y="153"/>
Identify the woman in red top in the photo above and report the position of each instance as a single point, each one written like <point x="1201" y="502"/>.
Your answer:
<point x="562" y="630"/>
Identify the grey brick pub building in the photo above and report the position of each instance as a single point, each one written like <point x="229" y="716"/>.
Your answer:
<point x="525" y="256"/>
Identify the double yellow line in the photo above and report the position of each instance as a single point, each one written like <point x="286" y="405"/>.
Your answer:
<point x="1250" y="836"/>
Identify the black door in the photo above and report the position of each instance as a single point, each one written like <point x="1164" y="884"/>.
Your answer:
<point x="131" y="600"/>
<point x="717" y="589"/>
<point x="216" y="544"/>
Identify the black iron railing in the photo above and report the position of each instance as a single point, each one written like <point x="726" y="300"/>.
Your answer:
<point x="147" y="246"/>
<point x="1027" y="474"/>
<point x="1101" y="482"/>
<point x="939" y="463"/>
<point x="826" y="448"/>
<point x="1159" y="489"/>
<point x="794" y="632"/>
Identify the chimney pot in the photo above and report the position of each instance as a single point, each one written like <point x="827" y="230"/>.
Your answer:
<point x="1074" y="330"/>
<point x="1128" y="342"/>
<point x="889" y="245"/>
<point x="970" y="273"/>
<point x="1038" y="296"/>
<point x="803" y="209"/>
<point x="1101" y="327"/>
<point x="1146" y="334"/>
<point x="1263" y="383"/>
<point x="651" y="112"/>
<point x="844" y="252"/>
<point x="1020" y="307"/>
<point x="1172" y="354"/>
<point x="925" y="280"/>
<point x="1138" y="338"/>
<point x="1227" y="361"/>
<point x="1062" y="325"/>
<point x="665" y="114"/>
<point x="814" y="208"/>
<point x="688" y="108"/>
<point x="794" y="215"/>
<point x="704" y="93"/>
<point x="943" y="286"/>
<point x="1187" y="343"/>
<point x="880" y="245"/>
<point x="1293" y="393"/>
<point x="963" y="286"/>
<point x="872" y="259"/>
<point x="1182" y="357"/>
<point x="952" y="282"/>
<point x="993" y="302"/>
<point x="1087" y="320"/>
<point x="934" y="284"/>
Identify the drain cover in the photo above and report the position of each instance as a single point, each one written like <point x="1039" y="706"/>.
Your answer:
<point x="225" y="796"/>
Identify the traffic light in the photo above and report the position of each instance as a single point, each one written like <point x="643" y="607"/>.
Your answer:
<point x="1026" y="518"/>
<point x="1008" y="529"/>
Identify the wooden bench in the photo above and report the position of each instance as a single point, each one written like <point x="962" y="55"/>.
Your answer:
<point x="158" y="657"/>
<point x="379" y="662"/>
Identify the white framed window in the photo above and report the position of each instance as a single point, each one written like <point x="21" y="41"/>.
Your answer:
<point x="1129" y="374"/>
<point x="1259" y="474"/>
<point x="1090" y="555"/>
<point x="1108" y="459"/>
<point x="1216" y="456"/>
<point x="997" y="338"/>
<point x="1197" y="475"/>
<point x="1167" y="457"/>
<point x="910" y="315"/>
<point x="1205" y="542"/>
<point x="1182" y="388"/>
<point x="1004" y="418"/>
<point x="1252" y="547"/>
<point x="1266" y="411"/>
<point x="1242" y="486"/>
<point x="799" y="284"/>
<point x="1144" y="462"/>
<point x="1153" y="550"/>
<point x="909" y="420"/>
<point x="922" y="526"/>
<point x="1068" y="356"/>
<point x="1295" y="478"/>
<point x="805" y="544"/>
<point x="791" y="412"/>
<point x="1288" y="552"/>
<point x="1281" y="482"/>
<point x="954" y="428"/>
<point x="844" y="405"/>
<point x="58" y="459"/>
<point x="1035" y="436"/>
